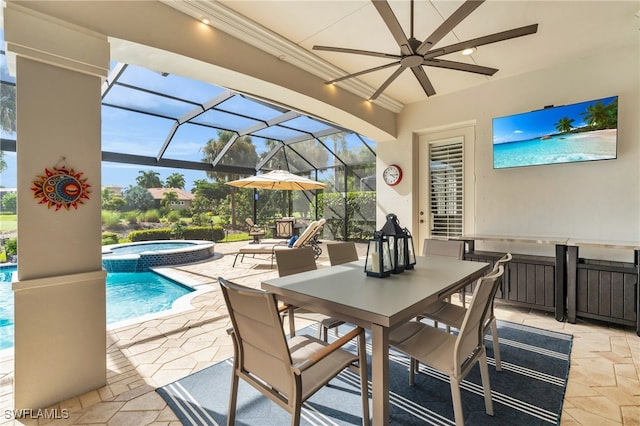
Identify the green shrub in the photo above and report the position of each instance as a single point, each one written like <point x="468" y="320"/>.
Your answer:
<point x="109" y="238"/>
<point x="201" y="219"/>
<point x="360" y="210"/>
<point x="132" y="217"/>
<point x="150" y="234"/>
<point x="152" y="216"/>
<point x="11" y="245"/>
<point x="173" y="216"/>
<point x="203" y="233"/>
<point x="111" y="219"/>
<point x="178" y="231"/>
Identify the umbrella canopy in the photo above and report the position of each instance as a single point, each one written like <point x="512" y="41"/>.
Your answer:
<point x="278" y="179"/>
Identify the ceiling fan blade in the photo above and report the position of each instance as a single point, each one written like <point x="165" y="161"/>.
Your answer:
<point x="381" y="67"/>
<point x="449" y="24"/>
<point x="357" y="52"/>
<point x="481" y="41"/>
<point x="388" y="81"/>
<point x="424" y="80"/>
<point x="460" y="66"/>
<point x="392" y="23"/>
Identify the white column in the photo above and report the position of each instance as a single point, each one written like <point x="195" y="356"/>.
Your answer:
<point x="60" y="309"/>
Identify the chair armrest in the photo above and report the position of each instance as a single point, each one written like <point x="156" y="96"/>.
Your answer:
<point x="327" y="350"/>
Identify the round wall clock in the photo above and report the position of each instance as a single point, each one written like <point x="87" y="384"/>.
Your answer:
<point x="392" y="175"/>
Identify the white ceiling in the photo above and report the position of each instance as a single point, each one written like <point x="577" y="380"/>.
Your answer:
<point x="289" y="29"/>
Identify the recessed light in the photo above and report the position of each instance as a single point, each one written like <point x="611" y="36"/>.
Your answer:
<point x="468" y="51"/>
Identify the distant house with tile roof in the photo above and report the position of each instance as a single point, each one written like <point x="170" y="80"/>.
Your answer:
<point x="183" y="202"/>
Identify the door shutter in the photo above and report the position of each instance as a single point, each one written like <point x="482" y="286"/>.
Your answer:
<point x="446" y="185"/>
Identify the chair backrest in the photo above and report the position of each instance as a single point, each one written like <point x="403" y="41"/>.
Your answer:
<point x="284" y="227"/>
<point x="450" y="248"/>
<point x="342" y="252"/>
<point x="260" y="345"/>
<point x="295" y="260"/>
<point x="304" y="236"/>
<point x="309" y="233"/>
<point x="503" y="261"/>
<point x="249" y="222"/>
<point x="471" y="335"/>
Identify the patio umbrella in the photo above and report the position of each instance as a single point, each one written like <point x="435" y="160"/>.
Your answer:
<point x="278" y="179"/>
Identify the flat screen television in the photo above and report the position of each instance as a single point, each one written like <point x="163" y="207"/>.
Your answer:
<point x="584" y="131"/>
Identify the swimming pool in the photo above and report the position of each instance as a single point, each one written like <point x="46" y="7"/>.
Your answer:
<point x="129" y="295"/>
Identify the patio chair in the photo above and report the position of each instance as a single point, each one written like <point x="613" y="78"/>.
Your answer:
<point x="449" y="248"/>
<point x="284" y="228"/>
<point x="293" y="262"/>
<point x="269" y="248"/>
<point x="454" y="355"/>
<point x="254" y="230"/>
<point x="453" y="315"/>
<point x="342" y="252"/>
<point x="287" y="372"/>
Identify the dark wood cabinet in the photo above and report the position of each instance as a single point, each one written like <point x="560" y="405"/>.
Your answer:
<point x="528" y="280"/>
<point x="571" y="286"/>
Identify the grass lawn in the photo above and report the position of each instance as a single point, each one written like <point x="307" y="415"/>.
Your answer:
<point x="8" y="222"/>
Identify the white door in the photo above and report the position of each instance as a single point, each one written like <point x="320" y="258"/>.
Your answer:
<point x="446" y="187"/>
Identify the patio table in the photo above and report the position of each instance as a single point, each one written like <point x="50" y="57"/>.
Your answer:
<point x="377" y="304"/>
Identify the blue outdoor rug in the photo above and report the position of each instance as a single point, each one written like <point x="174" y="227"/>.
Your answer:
<point x="528" y="391"/>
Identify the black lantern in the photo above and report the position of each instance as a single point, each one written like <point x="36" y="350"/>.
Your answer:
<point x="409" y="250"/>
<point x="397" y="243"/>
<point x="378" y="260"/>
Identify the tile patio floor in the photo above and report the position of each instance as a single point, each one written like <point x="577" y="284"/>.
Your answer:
<point x="603" y="388"/>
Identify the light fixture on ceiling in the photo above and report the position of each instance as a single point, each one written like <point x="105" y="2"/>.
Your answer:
<point x="468" y="51"/>
<point x="205" y="21"/>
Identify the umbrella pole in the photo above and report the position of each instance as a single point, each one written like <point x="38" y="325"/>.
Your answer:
<point x="255" y="205"/>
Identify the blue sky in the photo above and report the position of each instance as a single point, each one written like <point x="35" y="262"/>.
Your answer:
<point x="533" y="124"/>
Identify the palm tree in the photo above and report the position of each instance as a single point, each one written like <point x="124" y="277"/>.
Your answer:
<point x="175" y="180"/>
<point x="564" y="124"/>
<point x="596" y="115"/>
<point x="7" y="115"/>
<point x="149" y="179"/>
<point x="8" y="108"/>
<point x="242" y="153"/>
<point x="168" y="198"/>
<point x="3" y="164"/>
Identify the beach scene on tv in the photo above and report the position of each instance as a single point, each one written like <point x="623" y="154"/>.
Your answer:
<point x="584" y="131"/>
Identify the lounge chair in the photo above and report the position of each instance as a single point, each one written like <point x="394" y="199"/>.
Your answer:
<point x="306" y="238"/>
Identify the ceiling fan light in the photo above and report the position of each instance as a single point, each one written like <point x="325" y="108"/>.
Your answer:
<point x="469" y="51"/>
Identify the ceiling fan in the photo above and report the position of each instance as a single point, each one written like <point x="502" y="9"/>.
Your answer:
<point x="415" y="54"/>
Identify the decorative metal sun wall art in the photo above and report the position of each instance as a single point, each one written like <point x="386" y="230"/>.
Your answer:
<point x="61" y="187"/>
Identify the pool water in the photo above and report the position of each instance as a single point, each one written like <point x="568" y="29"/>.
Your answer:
<point x="129" y="295"/>
<point x="139" y="248"/>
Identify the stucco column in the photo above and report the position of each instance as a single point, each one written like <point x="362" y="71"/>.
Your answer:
<point x="60" y="309"/>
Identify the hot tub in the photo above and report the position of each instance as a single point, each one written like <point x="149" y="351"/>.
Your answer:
<point x="139" y="257"/>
